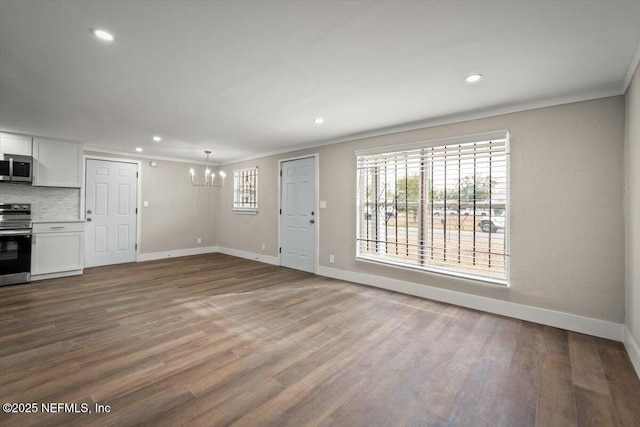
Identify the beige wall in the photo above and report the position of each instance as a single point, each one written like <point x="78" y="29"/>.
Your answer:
<point x="178" y="213"/>
<point x="249" y="232"/>
<point x="632" y="207"/>
<point x="567" y="232"/>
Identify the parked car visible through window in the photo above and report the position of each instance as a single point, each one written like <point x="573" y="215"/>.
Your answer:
<point x="493" y="223"/>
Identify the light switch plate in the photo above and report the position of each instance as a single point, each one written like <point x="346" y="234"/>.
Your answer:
<point x="323" y="204"/>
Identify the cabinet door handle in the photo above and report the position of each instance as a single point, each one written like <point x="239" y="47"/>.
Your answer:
<point x="57" y="227"/>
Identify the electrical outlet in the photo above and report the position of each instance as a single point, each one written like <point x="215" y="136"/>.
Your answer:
<point x="331" y="259"/>
<point x="264" y="247"/>
<point x="199" y="240"/>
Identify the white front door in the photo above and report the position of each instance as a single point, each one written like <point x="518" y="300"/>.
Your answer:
<point x="298" y="216"/>
<point x="110" y="205"/>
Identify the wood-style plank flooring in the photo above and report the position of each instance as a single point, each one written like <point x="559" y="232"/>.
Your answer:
<point x="214" y="340"/>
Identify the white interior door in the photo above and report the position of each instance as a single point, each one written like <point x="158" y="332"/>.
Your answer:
<point x="298" y="216"/>
<point x="111" y="201"/>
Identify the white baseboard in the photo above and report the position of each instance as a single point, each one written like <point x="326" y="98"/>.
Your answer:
<point x="210" y="249"/>
<point x="273" y="260"/>
<point x="571" y="322"/>
<point x="36" y="277"/>
<point x="632" y="349"/>
<point x="176" y="253"/>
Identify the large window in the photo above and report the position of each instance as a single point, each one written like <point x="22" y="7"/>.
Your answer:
<point x="439" y="206"/>
<point x="245" y="190"/>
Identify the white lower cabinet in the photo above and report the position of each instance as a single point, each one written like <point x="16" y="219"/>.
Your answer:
<point x="57" y="249"/>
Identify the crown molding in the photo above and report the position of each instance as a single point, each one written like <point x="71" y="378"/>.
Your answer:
<point x="443" y="120"/>
<point x="144" y="156"/>
<point x="635" y="60"/>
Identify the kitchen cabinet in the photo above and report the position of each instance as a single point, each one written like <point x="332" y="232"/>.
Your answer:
<point x="11" y="143"/>
<point x="57" y="249"/>
<point x="57" y="163"/>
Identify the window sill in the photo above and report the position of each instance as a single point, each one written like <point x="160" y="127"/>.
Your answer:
<point x="485" y="280"/>
<point x="245" y="211"/>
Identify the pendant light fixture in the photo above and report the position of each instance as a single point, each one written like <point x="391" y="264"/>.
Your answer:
<point x="209" y="176"/>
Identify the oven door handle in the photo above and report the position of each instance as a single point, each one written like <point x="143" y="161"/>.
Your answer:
<point x="15" y="232"/>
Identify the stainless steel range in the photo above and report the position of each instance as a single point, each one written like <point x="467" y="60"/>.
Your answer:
<point x="15" y="243"/>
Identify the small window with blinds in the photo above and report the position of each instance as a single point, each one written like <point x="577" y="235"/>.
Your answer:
<point x="245" y="190"/>
<point x="440" y="206"/>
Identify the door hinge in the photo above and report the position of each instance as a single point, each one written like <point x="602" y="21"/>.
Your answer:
<point x="136" y="246"/>
<point x="136" y="211"/>
<point x="136" y="174"/>
<point x="280" y="173"/>
<point x="279" y="250"/>
<point x="280" y="211"/>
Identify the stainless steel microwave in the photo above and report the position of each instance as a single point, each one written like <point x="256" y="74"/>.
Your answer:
<point x="15" y="168"/>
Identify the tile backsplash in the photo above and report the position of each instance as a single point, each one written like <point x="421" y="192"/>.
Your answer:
<point x="46" y="202"/>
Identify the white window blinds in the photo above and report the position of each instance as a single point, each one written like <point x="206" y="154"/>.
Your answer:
<point x="439" y="206"/>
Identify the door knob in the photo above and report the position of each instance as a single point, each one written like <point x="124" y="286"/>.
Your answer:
<point x="89" y="211"/>
<point x="89" y="219"/>
<point x="312" y="221"/>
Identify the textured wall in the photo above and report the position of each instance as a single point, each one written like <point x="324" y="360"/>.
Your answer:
<point x="178" y="213"/>
<point x="46" y="203"/>
<point x="567" y="232"/>
<point x="249" y="232"/>
<point x="632" y="207"/>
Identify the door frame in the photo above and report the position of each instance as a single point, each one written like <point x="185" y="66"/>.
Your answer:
<point x="138" y="192"/>
<point x="316" y="157"/>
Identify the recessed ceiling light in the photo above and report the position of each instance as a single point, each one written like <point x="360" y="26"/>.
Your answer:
<point x="473" y="78"/>
<point x="157" y="139"/>
<point x="103" y="35"/>
<point x="139" y="150"/>
<point x="319" y="120"/>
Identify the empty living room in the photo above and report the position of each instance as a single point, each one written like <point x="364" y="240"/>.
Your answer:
<point x="319" y="213"/>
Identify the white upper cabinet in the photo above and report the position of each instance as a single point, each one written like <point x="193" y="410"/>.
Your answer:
<point x="57" y="163"/>
<point x="15" y="144"/>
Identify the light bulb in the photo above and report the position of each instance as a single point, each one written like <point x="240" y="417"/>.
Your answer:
<point x="473" y="78"/>
<point x="101" y="34"/>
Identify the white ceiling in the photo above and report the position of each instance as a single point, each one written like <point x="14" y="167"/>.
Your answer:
<point x="244" y="78"/>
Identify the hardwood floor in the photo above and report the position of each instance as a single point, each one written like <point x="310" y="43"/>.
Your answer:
<point x="217" y="340"/>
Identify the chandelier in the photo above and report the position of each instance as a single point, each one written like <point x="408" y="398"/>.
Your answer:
<point x="209" y="177"/>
